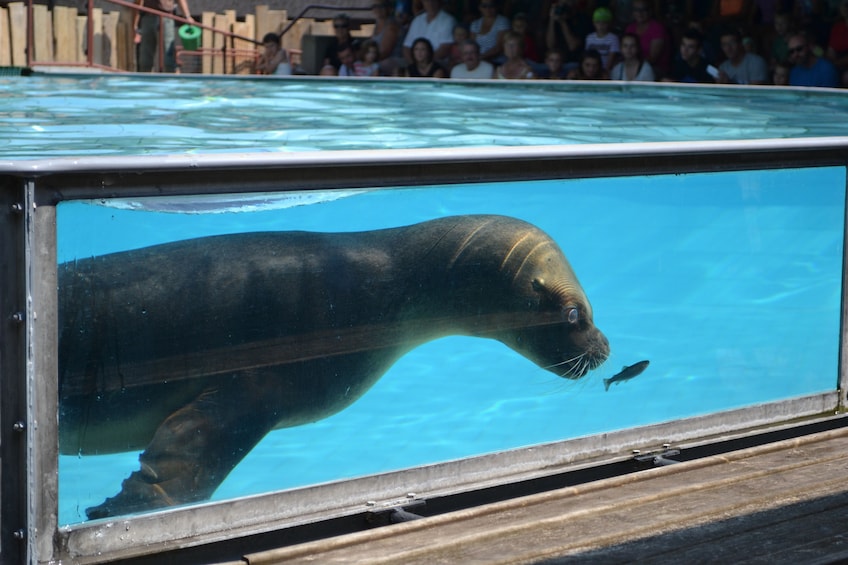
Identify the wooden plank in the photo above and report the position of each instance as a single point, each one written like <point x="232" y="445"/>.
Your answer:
<point x="17" y="32"/>
<point x="97" y="50"/>
<point x="364" y="31"/>
<point x="323" y="28"/>
<point x="65" y="34"/>
<point x="243" y="48"/>
<point x="294" y="37"/>
<point x="263" y="25"/>
<point x="110" y="39"/>
<point x="82" y="30"/>
<point x="218" y="43"/>
<point x="206" y="40"/>
<point x="43" y="37"/>
<point x="229" y="61"/>
<point x="126" y="38"/>
<point x="5" y="41"/>
<point x="123" y="36"/>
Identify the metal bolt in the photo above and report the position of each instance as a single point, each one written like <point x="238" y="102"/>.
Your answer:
<point x="19" y="534"/>
<point x="18" y="317"/>
<point x="19" y="426"/>
<point x="17" y="208"/>
<point x="410" y="495"/>
<point x="637" y="451"/>
<point x="371" y="503"/>
<point x="666" y="445"/>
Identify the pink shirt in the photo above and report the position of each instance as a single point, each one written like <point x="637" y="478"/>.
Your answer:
<point x="655" y="30"/>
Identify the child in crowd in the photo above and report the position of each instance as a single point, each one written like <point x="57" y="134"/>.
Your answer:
<point x="274" y="59"/>
<point x="779" y="49"/>
<point x="554" y="67"/>
<point x="602" y="39"/>
<point x="460" y="34"/>
<point x="591" y="67"/>
<point x="366" y="65"/>
<point x="780" y="75"/>
<point x="521" y="26"/>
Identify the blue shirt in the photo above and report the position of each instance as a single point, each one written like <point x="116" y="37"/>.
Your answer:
<point x="822" y="73"/>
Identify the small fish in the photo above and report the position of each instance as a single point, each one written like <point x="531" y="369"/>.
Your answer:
<point x="626" y="373"/>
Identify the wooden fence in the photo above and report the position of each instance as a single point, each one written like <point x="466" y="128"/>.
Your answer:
<point x="61" y="35"/>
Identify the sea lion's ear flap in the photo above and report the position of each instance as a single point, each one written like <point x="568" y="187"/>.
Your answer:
<point x="539" y="285"/>
<point x="545" y="298"/>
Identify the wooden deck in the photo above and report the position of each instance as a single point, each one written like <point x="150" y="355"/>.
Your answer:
<point x="783" y="502"/>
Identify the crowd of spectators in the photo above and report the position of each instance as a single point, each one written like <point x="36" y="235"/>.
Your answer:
<point x="781" y="42"/>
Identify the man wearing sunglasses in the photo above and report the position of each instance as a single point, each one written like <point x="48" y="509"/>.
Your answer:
<point x="807" y="69"/>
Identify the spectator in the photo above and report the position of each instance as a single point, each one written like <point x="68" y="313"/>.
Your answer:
<point x="780" y="75"/>
<point x="274" y="60"/>
<point x="472" y="66"/>
<point x="366" y="64"/>
<point x="633" y="66"/>
<point x="521" y="26"/>
<point x="567" y="30"/>
<point x="689" y="65"/>
<point x="148" y="26"/>
<point x="341" y="39"/>
<point x="387" y="34"/>
<point x="591" y="67"/>
<point x="807" y="69"/>
<point x="347" y="60"/>
<point x="780" y="39"/>
<point x="554" y="68"/>
<point x="514" y="67"/>
<point x="460" y="35"/>
<point x="740" y="67"/>
<point x="488" y="30"/>
<point x="653" y="37"/>
<point x="423" y="64"/>
<point x="435" y="25"/>
<point x="602" y="39"/>
<point x="837" y="44"/>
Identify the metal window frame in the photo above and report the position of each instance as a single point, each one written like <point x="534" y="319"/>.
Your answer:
<point x="29" y="191"/>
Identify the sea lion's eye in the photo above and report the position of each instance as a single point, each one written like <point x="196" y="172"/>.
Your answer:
<point x="572" y="315"/>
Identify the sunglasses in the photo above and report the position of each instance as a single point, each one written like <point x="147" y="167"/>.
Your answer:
<point x="793" y="50"/>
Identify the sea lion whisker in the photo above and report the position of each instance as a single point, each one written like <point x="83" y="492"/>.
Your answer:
<point x="566" y="362"/>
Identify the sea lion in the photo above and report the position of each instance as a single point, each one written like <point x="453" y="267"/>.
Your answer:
<point x="194" y="350"/>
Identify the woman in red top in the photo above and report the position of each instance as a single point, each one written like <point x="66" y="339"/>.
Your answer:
<point x="837" y="45"/>
<point x="653" y="37"/>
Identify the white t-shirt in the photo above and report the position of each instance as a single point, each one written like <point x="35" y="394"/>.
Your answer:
<point x="489" y="40"/>
<point x="752" y="68"/>
<point x="483" y="70"/>
<point x="606" y="45"/>
<point x="438" y="31"/>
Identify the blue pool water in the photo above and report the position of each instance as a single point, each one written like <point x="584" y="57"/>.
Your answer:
<point x="729" y="283"/>
<point x="56" y="116"/>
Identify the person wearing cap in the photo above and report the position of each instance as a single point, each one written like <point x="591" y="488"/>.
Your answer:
<point x="602" y="39"/>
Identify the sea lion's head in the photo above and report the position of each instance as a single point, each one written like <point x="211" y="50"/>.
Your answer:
<point x="553" y="320"/>
<point x="559" y="334"/>
<point x="512" y="282"/>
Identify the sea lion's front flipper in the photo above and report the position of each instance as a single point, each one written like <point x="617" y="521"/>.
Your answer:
<point x="191" y="454"/>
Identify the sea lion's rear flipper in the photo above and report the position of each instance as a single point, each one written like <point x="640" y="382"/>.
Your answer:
<point x="191" y="453"/>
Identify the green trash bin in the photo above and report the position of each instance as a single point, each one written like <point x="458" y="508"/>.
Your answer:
<point x="190" y="37"/>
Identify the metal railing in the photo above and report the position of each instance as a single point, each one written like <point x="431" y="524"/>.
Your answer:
<point x="226" y="52"/>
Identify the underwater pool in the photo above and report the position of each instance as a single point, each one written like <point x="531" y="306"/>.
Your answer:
<point x="48" y="116"/>
<point x="729" y="283"/>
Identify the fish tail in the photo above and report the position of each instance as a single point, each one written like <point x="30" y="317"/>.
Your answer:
<point x="607" y="383"/>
